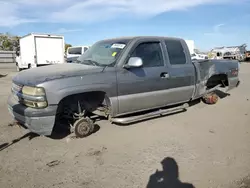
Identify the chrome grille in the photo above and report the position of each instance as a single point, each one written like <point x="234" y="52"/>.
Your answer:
<point x="16" y="87"/>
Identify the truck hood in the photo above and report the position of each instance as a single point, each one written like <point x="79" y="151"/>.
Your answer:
<point x="34" y="76"/>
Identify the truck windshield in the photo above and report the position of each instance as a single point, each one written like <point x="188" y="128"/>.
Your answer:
<point x="75" y="50"/>
<point x="104" y="53"/>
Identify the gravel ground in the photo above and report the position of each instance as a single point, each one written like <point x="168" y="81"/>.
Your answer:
<point x="207" y="146"/>
<point x="7" y="67"/>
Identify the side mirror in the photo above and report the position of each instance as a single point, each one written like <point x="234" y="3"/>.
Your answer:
<point x="134" y="62"/>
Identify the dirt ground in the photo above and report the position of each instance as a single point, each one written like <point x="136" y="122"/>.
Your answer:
<point x="209" y="145"/>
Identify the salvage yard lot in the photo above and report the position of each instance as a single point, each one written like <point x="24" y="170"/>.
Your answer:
<point x="210" y="143"/>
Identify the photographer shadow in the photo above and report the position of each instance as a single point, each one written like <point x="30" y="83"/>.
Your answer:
<point x="168" y="177"/>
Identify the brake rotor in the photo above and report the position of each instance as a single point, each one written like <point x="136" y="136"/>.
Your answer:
<point x="83" y="127"/>
<point x="211" y="98"/>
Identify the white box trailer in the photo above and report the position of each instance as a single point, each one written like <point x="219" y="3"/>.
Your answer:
<point x="40" y="49"/>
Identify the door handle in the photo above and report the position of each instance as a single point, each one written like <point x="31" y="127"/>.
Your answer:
<point x="164" y="75"/>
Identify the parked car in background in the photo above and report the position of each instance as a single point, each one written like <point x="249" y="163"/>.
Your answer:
<point x="196" y="56"/>
<point x="39" y="50"/>
<point x="115" y="79"/>
<point x="230" y="52"/>
<point x="74" y="52"/>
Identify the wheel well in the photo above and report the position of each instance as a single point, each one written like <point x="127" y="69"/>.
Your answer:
<point x="216" y="80"/>
<point x="68" y="108"/>
<point x="90" y="100"/>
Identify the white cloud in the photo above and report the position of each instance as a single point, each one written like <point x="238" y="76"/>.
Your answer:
<point x="216" y="29"/>
<point x="16" y="12"/>
<point x="64" y="30"/>
<point x="9" y="15"/>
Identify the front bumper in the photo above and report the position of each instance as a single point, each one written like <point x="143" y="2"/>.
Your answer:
<point x="39" y="121"/>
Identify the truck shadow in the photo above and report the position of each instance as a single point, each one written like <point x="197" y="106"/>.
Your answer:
<point x="57" y="134"/>
<point x="168" y="177"/>
<point x="27" y="135"/>
<point x="221" y="94"/>
<point x="3" y="75"/>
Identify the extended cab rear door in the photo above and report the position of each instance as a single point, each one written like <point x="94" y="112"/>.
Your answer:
<point x="181" y="71"/>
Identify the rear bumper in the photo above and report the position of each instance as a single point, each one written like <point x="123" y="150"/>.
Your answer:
<point x="233" y="83"/>
<point x="39" y="121"/>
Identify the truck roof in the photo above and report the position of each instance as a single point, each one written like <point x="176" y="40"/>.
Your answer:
<point x="142" y="37"/>
<point x="42" y="34"/>
<point x="79" y="46"/>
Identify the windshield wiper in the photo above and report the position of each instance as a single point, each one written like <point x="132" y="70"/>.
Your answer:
<point x="105" y="66"/>
<point x="91" y="62"/>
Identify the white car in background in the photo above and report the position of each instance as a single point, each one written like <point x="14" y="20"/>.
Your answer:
<point x="74" y="52"/>
<point x="196" y="56"/>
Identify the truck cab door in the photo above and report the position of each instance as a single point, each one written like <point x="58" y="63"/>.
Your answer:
<point x="143" y="88"/>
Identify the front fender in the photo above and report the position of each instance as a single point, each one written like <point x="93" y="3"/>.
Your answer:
<point x="65" y="92"/>
<point x="57" y="90"/>
<point x="62" y="93"/>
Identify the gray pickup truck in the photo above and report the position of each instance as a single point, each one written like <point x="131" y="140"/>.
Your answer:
<point x="124" y="80"/>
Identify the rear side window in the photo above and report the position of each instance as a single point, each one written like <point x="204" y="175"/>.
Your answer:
<point x="175" y="52"/>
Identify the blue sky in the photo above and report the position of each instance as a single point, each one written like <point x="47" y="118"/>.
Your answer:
<point x="208" y="22"/>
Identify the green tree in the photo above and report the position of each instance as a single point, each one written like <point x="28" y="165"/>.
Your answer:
<point x="67" y="46"/>
<point x="9" y="42"/>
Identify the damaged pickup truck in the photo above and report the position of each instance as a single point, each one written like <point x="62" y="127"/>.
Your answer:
<point x="124" y="80"/>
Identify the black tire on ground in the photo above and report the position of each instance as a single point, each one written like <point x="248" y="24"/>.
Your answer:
<point x="83" y="127"/>
<point x="18" y="68"/>
<point x="211" y="98"/>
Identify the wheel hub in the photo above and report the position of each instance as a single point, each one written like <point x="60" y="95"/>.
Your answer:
<point x="211" y="98"/>
<point x="83" y="127"/>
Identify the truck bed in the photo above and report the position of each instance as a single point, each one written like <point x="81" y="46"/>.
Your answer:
<point x="205" y="69"/>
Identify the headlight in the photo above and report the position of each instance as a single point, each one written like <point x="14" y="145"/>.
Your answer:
<point x="33" y="91"/>
<point x="33" y="97"/>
